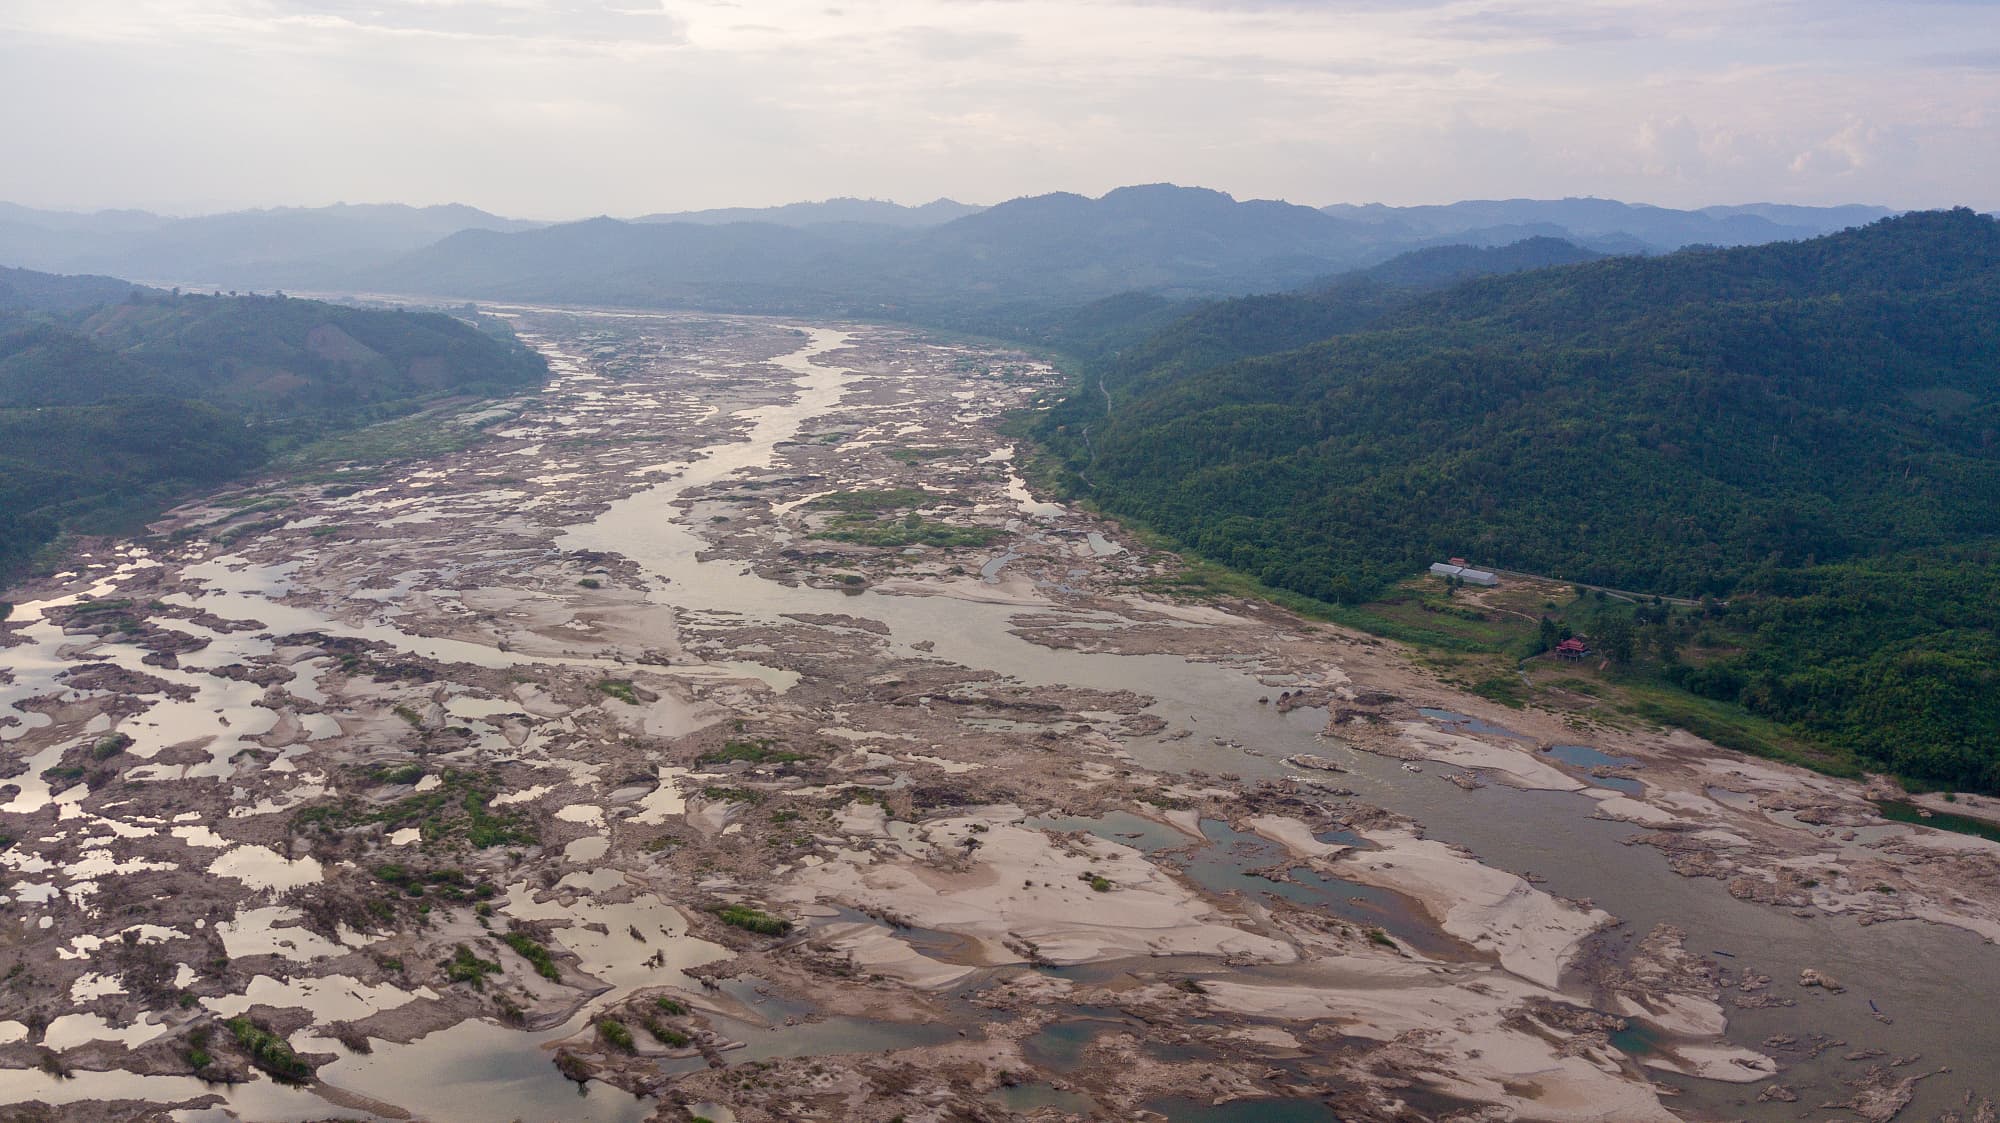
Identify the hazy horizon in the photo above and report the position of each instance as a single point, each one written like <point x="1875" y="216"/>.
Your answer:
<point x="555" y="109"/>
<point x="568" y="218"/>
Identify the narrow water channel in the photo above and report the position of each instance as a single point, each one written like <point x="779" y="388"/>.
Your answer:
<point x="1940" y="984"/>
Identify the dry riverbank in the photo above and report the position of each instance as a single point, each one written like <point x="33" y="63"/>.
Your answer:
<point x="731" y="728"/>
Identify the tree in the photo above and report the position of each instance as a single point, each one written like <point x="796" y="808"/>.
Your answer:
<point x="1667" y="643"/>
<point x="1615" y="633"/>
<point x="1551" y="634"/>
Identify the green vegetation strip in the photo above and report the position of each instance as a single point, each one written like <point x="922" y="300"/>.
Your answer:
<point x="457" y="807"/>
<point x="753" y="920"/>
<point x="536" y="953"/>
<point x="269" y="1051"/>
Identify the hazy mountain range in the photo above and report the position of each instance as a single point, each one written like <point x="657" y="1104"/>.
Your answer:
<point x="854" y="255"/>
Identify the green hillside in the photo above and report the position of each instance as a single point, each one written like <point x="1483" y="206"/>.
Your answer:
<point x="109" y="409"/>
<point x="1715" y="422"/>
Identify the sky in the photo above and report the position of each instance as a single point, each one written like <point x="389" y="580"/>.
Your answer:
<point x="557" y="109"/>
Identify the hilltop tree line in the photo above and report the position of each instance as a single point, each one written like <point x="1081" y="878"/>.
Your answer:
<point x="116" y="399"/>
<point x="1811" y="430"/>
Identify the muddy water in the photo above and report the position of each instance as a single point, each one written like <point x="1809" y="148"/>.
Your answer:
<point x="1938" y="983"/>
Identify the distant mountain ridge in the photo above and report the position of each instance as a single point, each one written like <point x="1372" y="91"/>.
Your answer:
<point x="1608" y="224"/>
<point x="261" y="249"/>
<point x="857" y="256"/>
<point x="870" y="212"/>
<point x="1042" y="250"/>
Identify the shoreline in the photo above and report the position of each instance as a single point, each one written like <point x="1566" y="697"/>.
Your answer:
<point x="667" y="696"/>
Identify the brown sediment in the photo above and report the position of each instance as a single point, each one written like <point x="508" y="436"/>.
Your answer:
<point x="448" y="723"/>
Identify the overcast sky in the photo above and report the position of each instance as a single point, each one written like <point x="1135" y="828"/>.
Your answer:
<point x="564" y="108"/>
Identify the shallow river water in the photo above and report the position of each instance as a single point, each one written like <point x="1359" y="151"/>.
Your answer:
<point x="1939" y="984"/>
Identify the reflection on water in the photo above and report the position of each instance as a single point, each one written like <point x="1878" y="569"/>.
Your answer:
<point x="1471" y="724"/>
<point x="1225" y="867"/>
<point x="483" y="1070"/>
<point x="1123" y="827"/>
<point x="1585" y="757"/>
<point x="1901" y="811"/>
<point x="1551" y="834"/>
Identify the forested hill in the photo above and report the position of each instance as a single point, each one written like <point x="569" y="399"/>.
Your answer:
<point x="1700" y="423"/>
<point x="116" y="398"/>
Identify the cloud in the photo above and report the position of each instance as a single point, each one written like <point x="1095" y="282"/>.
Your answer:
<point x="1841" y="154"/>
<point x="565" y="107"/>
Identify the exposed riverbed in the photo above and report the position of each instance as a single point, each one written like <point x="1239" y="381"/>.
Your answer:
<point x="629" y="662"/>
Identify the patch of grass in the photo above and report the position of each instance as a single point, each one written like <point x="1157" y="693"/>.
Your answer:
<point x="666" y="1034"/>
<point x="451" y="884"/>
<point x="912" y="530"/>
<point x="719" y="794"/>
<point x="753" y="920"/>
<point x="197" y="1054"/>
<point x="60" y="778"/>
<point x="416" y="435"/>
<point x="535" y="952"/>
<point x="879" y="501"/>
<point x="1732" y="728"/>
<point x="1504" y="689"/>
<point x="909" y="455"/>
<point x="620" y="689"/>
<point x="110" y="746"/>
<point x="616" y="1034"/>
<point x="756" y="752"/>
<point x="409" y="715"/>
<point x="396" y="774"/>
<point x="269" y="1051"/>
<point x="457" y="806"/>
<point x="247" y="530"/>
<point x="1379" y="937"/>
<point x="591" y="583"/>
<point x="466" y="967"/>
<point x="672" y="1007"/>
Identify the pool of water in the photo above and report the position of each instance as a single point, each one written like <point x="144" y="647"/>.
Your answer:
<point x="1902" y="811"/>
<point x="1060" y="1045"/>
<point x="1586" y="758"/>
<point x="1024" y="1098"/>
<point x="1123" y="827"/>
<point x="1939" y="984"/>
<point x="1550" y="834"/>
<point x="1470" y="724"/>
<point x="1224" y="867"/>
